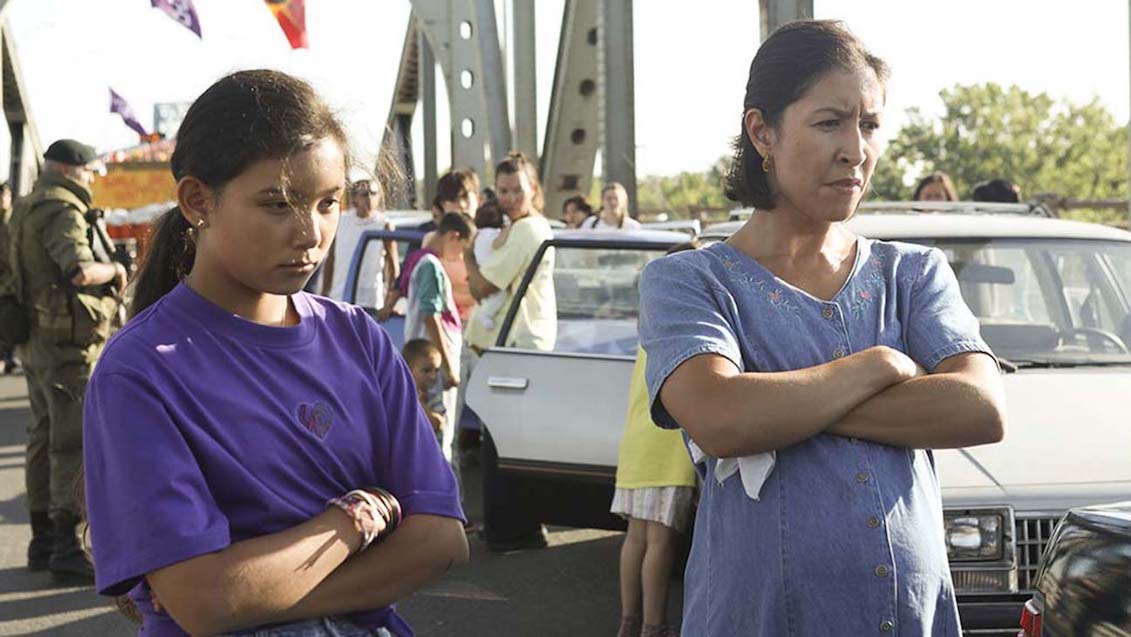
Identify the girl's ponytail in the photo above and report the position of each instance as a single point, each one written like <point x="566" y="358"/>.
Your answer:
<point x="168" y="260"/>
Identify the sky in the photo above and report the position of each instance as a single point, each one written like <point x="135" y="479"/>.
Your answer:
<point x="691" y="61"/>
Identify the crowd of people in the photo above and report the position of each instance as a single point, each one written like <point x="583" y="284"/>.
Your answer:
<point x="213" y="317"/>
<point x="938" y="186"/>
<point x="250" y="453"/>
<point x="456" y="287"/>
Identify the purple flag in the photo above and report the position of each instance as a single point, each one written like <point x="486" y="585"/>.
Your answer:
<point x="183" y="12"/>
<point x="119" y="106"/>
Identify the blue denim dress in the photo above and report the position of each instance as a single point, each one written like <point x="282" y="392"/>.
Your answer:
<point x="847" y="536"/>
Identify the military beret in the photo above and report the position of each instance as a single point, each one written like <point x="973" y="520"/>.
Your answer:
<point x="71" y="152"/>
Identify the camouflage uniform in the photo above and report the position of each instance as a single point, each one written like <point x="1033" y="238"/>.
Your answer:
<point x="5" y="217"/>
<point x="49" y="243"/>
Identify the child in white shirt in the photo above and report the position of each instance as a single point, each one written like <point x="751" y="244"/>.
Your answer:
<point x="491" y="235"/>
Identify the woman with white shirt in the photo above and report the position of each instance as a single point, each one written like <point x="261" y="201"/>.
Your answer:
<point x="614" y="210"/>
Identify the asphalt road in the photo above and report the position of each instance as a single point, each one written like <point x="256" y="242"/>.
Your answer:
<point x="569" y="588"/>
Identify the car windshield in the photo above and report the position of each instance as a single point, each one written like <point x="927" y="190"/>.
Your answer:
<point x="1048" y="301"/>
<point x="1040" y="302"/>
<point x="598" y="298"/>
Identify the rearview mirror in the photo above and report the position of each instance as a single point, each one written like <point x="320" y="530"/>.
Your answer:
<point x="982" y="273"/>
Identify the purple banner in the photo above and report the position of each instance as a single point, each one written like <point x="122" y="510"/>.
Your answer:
<point x="183" y="12"/>
<point x="121" y="107"/>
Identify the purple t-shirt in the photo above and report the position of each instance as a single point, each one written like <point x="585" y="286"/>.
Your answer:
<point x="203" y="429"/>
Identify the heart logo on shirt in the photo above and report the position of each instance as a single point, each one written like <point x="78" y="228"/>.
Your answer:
<point x="316" y="418"/>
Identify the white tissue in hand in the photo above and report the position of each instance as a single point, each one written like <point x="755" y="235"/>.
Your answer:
<point x="753" y="470"/>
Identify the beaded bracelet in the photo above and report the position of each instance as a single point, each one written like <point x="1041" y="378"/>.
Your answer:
<point x="375" y="512"/>
<point x="392" y="503"/>
<point x="362" y="508"/>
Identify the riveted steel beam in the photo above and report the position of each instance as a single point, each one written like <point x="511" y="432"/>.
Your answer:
<point x="619" y="126"/>
<point x="464" y="38"/>
<point x="428" y="99"/>
<point x="26" y="151"/>
<point x="572" y="136"/>
<point x="398" y="127"/>
<point x="525" y="79"/>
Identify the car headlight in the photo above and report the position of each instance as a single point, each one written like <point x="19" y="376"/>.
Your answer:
<point x="979" y="545"/>
<point x="975" y="536"/>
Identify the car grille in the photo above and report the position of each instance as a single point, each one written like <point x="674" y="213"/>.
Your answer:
<point x="1031" y="536"/>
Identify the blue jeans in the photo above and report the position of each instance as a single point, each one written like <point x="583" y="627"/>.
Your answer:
<point x="322" y="627"/>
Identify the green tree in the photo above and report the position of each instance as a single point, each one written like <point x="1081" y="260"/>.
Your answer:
<point x="684" y="192"/>
<point x="1077" y="151"/>
<point x="1044" y="145"/>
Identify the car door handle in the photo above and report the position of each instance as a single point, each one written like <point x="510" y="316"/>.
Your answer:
<point x="507" y="382"/>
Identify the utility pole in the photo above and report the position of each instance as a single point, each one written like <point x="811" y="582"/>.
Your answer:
<point x="1129" y="125"/>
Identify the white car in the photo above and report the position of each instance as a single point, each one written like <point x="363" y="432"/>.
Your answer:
<point x="1054" y="301"/>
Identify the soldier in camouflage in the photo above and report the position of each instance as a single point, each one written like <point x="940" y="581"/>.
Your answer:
<point x="7" y="353"/>
<point x="69" y="289"/>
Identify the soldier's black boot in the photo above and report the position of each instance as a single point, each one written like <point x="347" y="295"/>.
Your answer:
<point x="42" y="541"/>
<point x="69" y="564"/>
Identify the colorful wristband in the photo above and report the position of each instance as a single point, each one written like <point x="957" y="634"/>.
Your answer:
<point x="375" y="512"/>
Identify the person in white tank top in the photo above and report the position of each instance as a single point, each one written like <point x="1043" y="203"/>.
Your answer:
<point x="380" y="263"/>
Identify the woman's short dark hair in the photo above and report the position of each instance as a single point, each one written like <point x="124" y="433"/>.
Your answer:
<point x="937" y="177"/>
<point x="489" y="214"/>
<point x="997" y="191"/>
<point x="791" y="60"/>
<point x="456" y="222"/>
<point x="417" y="349"/>
<point x="580" y="203"/>
<point x="456" y="185"/>
<point x="241" y="119"/>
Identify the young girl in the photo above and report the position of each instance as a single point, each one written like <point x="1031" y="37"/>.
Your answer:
<point x="614" y="210"/>
<point x="247" y="444"/>
<point x="456" y="191"/>
<point x="655" y="491"/>
<point x="431" y="311"/>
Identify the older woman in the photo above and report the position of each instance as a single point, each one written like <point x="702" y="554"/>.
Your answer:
<point x="814" y="370"/>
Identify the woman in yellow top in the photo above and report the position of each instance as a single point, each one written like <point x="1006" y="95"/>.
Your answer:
<point x="655" y="489"/>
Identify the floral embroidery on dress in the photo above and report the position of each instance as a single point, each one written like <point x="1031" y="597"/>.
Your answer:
<point x="859" y="302"/>
<point x="874" y="277"/>
<point x="876" y="271"/>
<point x="776" y="296"/>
